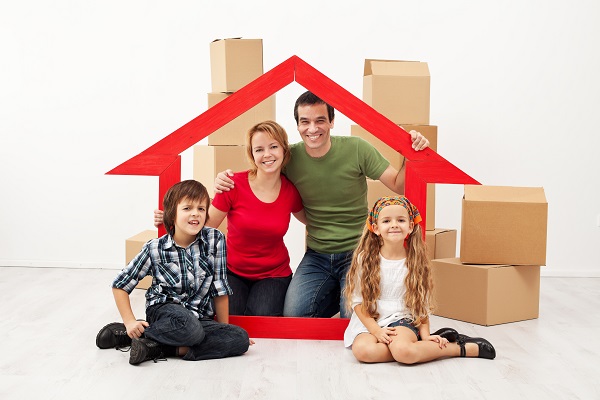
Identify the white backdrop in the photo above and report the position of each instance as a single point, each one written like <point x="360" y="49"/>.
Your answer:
<point x="85" y="85"/>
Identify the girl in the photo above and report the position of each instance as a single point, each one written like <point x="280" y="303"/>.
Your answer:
<point x="389" y="288"/>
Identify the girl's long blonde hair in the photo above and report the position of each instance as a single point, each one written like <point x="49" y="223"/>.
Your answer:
<point x="366" y="267"/>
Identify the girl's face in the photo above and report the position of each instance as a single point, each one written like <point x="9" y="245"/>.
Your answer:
<point x="190" y="218"/>
<point x="393" y="224"/>
<point x="267" y="153"/>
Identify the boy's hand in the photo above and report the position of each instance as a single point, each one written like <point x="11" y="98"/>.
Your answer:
<point x="135" y="329"/>
<point x="419" y="142"/>
<point x="158" y="217"/>
<point x="251" y="342"/>
<point x="222" y="182"/>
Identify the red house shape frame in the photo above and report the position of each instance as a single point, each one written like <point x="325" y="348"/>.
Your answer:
<point x="163" y="160"/>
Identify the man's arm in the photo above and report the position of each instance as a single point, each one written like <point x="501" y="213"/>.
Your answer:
<point x="394" y="179"/>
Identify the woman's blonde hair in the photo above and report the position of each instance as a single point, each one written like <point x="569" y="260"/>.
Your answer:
<point x="275" y="131"/>
<point x="366" y="267"/>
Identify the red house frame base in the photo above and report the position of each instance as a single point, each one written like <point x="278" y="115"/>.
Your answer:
<point x="292" y="328"/>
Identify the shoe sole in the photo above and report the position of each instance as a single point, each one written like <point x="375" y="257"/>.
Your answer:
<point x="137" y="353"/>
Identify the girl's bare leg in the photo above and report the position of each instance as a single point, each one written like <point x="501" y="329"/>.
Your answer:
<point x="366" y="349"/>
<point x="406" y="349"/>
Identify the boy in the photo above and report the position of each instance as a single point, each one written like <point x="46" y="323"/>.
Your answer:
<point x="188" y="266"/>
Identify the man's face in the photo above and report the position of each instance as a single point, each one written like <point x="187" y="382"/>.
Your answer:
<point x="314" y="127"/>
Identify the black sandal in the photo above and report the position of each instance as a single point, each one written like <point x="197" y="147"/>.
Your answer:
<point x="447" y="333"/>
<point x="486" y="350"/>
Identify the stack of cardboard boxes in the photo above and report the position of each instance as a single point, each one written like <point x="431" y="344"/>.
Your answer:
<point x="400" y="91"/>
<point x="234" y="63"/>
<point x="503" y="244"/>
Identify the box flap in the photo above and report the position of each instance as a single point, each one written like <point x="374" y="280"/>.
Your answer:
<point x="505" y="194"/>
<point x="456" y="261"/>
<point x="395" y="68"/>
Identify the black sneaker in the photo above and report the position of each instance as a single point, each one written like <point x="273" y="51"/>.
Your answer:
<point x="113" y="336"/>
<point x="143" y="349"/>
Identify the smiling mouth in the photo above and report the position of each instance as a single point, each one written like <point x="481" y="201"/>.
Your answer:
<point x="313" y="138"/>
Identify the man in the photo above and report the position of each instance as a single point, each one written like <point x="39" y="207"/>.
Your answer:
<point x="330" y="174"/>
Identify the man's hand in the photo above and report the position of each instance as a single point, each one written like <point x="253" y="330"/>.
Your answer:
<point x="419" y="142"/>
<point x="222" y="182"/>
<point x="158" y="217"/>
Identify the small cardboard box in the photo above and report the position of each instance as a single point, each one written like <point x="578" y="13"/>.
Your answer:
<point x="133" y="246"/>
<point x="210" y="160"/>
<point x="398" y="89"/>
<point x="234" y="132"/>
<point x="234" y="63"/>
<point x="504" y="225"/>
<point x="441" y="243"/>
<point x="395" y="158"/>
<point x="485" y="294"/>
<point x="376" y="189"/>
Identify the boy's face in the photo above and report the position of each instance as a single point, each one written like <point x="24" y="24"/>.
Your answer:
<point x="190" y="218"/>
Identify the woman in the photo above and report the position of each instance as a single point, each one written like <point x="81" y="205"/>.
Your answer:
<point x="258" y="217"/>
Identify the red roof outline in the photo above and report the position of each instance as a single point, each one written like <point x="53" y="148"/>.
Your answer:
<point x="163" y="159"/>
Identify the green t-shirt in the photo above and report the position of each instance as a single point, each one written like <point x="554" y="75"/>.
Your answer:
<point x="334" y="190"/>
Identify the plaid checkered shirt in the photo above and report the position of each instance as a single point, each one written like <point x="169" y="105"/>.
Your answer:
<point x="189" y="276"/>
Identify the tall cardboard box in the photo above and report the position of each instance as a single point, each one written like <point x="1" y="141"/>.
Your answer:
<point x="504" y="225"/>
<point x="234" y="132"/>
<point x="210" y="160"/>
<point x="485" y="294"/>
<point x="234" y="63"/>
<point x="133" y="246"/>
<point x="441" y="243"/>
<point x="376" y="189"/>
<point x="398" y="89"/>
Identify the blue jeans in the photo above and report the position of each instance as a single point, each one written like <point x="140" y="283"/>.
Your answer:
<point x="174" y="325"/>
<point x="263" y="297"/>
<point x="316" y="286"/>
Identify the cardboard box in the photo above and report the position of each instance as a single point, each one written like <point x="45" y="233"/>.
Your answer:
<point x="376" y="189"/>
<point x="395" y="158"/>
<point x="133" y="246"/>
<point x="504" y="225"/>
<point x="234" y="132"/>
<point x="234" y="63"/>
<point x="441" y="243"/>
<point x="398" y="89"/>
<point x="210" y="160"/>
<point x="485" y="294"/>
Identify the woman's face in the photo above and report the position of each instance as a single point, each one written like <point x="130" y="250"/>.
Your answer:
<point x="267" y="153"/>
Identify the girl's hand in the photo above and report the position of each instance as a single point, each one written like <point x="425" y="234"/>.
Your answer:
<point x="383" y="334"/>
<point x="443" y="342"/>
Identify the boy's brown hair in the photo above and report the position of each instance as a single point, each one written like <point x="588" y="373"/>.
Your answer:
<point x="189" y="189"/>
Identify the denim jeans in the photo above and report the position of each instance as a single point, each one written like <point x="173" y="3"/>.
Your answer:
<point x="263" y="297"/>
<point x="316" y="286"/>
<point x="174" y="325"/>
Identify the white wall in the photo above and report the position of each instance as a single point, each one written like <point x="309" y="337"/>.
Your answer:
<point x="84" y="86"/>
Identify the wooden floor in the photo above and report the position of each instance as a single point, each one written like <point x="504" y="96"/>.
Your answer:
<point x="50" y="317"/>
